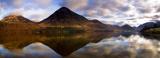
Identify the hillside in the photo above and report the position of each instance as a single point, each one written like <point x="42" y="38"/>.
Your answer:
<point x="65" y="17"/>
<point x="150" y="29"/>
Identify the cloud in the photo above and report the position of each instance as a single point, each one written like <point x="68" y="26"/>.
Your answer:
<point x="1" y="5"/>
<point x="113" y="7"/>
<point x="21" y="3"/>
<point x="116" y="9"/>
<point x="96" y="7"/>
<point x="36" y="15"/>
<point x="44" y="2"/>
<point x="17" y="3"/>
<point x="35" y="10"/>
<point x="102" y="9"/>
<point x="39" y="15"/>
<point x="74" y="4"/>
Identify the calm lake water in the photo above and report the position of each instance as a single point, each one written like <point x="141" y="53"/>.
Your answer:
<point x="81" y="46"/>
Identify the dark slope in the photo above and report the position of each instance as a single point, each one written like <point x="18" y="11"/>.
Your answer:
<point x="64" y="16"/>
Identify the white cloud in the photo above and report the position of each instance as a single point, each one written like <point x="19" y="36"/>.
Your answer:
<point x="33" y="10"/>
<point x="105" y="9"/>
<point x="39" y="15"/>
<point x="2" y="6"/>
<point x="33" y="14"/>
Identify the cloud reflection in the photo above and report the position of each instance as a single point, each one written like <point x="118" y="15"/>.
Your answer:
<point x="133" y="47"/>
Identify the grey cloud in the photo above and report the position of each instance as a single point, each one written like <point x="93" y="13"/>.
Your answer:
<point x="18" y="3"/>
<point x="106" y="7"/>
<point x="110" y="7"/>
<point x="142" y="10"/>
<point x="21" y="3"/>
<point x="96" y="7"/>
<point x="158" y="9"/>
<point x="125" y="8"/>
<point x="74" y="4"/>
<point x="2" y="5"/>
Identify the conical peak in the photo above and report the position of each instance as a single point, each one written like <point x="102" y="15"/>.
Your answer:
<point x="64" y="15"/>
<point x="64" y="8"/>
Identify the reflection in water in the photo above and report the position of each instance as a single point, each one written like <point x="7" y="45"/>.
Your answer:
<point x="66" y="45"/>
<point x="82" y="45"/>
<point x="19" y="46"/>
<point x="152" y="36"/>
<point x="38" y="50"/>
<point x="35" y="50"/>
<point x="121" y="47"/>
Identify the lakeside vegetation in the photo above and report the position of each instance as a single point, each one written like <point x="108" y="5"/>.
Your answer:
<point x="54" y="31"/>
<point x="152" y="31"/>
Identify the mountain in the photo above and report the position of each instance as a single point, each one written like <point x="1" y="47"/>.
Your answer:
<point x="150" y="28"/>
<point x="145" y="26"/>
<point x="127" y="27"/>
<point x="127" y="30"/>
<point x="16" y="19"/>
<point x="62" y="20"/>
<point x="148" y="25"/>
<point x="65" y="17"/>
<point x="16" y="28"/>
<point x="17" y="24"/>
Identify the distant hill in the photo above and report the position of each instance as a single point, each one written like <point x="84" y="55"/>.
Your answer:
<point x="16" y="19"/>
<point x="15" y="24"/>
<point x="127" y="30"/>
<point x="150" y="28"/>
<point x="149" y="25"/>
<point x="127" y="27"/>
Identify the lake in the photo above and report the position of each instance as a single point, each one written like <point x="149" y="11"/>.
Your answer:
<point x="84" y="45"/>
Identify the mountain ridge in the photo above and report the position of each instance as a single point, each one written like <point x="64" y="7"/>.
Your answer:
<point x="63" y="18"/>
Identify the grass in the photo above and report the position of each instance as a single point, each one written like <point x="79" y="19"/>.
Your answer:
<point x="152" y="31"/>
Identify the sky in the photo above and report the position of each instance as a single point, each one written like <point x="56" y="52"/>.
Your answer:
<point x="132" y="12"/>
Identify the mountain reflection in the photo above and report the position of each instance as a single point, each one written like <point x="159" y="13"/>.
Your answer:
<point x="78" y="45"/>
<point x="25" y="45"/>
<point x="34" y="50"/>
<point x="152" y="36"/>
